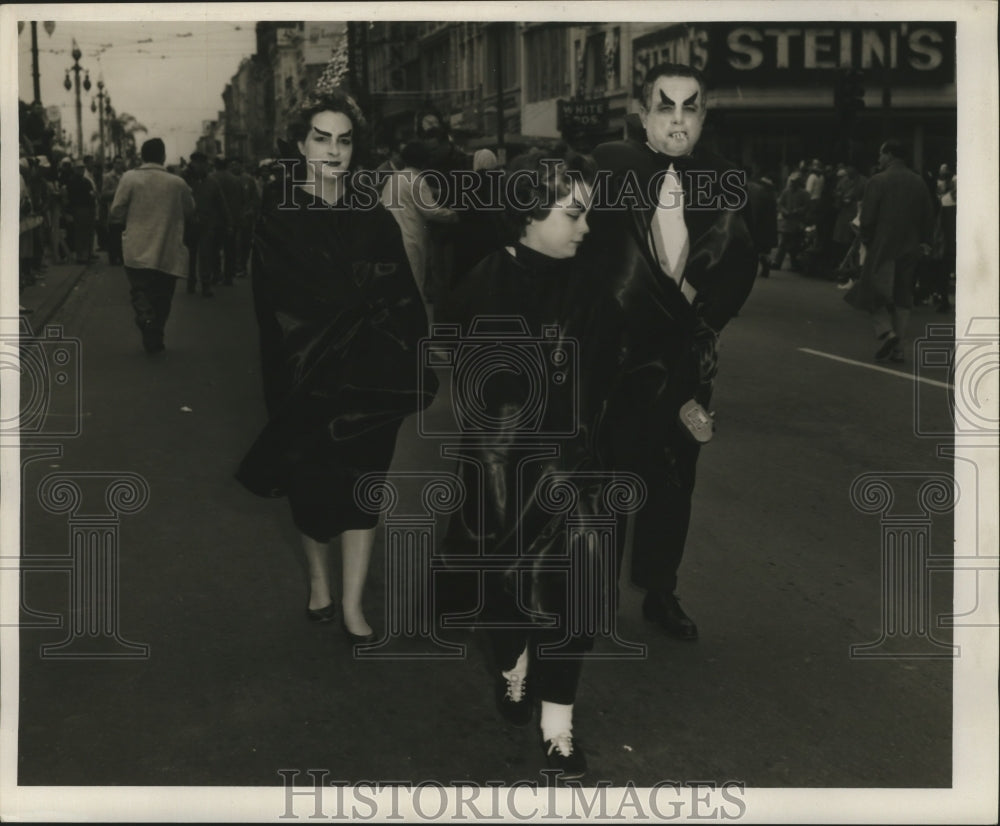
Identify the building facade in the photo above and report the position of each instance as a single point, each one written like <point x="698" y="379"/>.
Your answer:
<point x="507" y="85"/>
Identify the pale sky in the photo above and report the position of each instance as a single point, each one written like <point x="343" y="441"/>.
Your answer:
<point x="169" y="75"/>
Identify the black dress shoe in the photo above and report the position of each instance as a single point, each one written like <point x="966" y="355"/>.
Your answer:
<point x="513" y="700"/>
<point x="564" y="755"/>
<point x="890" y="343"/>
<point x="356" y="639"/>
<point x="666" y="611"/>
<point x="322" y="614"/>
<point x="152" y="340"/>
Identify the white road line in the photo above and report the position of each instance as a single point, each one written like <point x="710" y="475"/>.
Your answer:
<point x="901" y="375"/>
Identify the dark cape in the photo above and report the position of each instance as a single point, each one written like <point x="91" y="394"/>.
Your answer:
<point x="546" y="385"/>
<point x="670" y="342"/>
<point x="340" y="321"/>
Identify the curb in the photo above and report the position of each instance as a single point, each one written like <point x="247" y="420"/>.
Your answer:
<point x="55" y="295"/>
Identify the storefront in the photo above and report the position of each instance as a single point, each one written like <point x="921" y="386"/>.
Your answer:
<point x="772" y="88"/>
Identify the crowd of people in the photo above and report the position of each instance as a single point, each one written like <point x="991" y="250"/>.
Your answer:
<point x="813" y="224"/>
<point x="65" y="214"/>
<point x="347" y="258"/>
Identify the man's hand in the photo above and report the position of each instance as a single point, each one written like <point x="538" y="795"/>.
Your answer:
<point x="705" y="349"/>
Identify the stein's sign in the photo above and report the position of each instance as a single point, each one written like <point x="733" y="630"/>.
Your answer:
<point x="586" y="115"/>
<point x="789" y="54"/>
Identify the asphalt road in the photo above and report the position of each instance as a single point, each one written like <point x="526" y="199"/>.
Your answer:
<point x="783" y="575"/>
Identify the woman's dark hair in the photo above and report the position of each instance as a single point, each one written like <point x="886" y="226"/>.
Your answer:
<point x="333" y="100"/>
<point x="415" y="154"/>
<point x="534" y="182"/>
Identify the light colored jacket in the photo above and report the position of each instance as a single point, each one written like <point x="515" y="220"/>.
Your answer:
<point x="409" y="198"/>
<point x="153" y="205"/>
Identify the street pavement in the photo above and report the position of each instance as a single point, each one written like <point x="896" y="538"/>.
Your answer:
<point x="783" y="574"/>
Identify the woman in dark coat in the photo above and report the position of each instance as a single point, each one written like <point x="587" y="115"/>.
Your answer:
<point x="528" y="316"/>
<point x="340" y="319"/>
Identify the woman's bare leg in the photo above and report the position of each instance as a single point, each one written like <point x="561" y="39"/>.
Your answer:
<point x="318" y="562"/>
<point x="356" y="546"/>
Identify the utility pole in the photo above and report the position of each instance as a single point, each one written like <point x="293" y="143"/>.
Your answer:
<point x="501" y="150"/>
<point x="34" y="62"/>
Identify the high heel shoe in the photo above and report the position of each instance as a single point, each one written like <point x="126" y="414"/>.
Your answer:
<point x="356" y="639"/>
<point x="326" y="614"/>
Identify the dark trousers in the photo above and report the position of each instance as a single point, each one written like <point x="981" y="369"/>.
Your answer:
<point x="243" y="247"/>
<point x="789" y="243"/>
<point x="203" y="258"/>
<point x="230" y="254"/>
<point x="83" y="233"/>
<point x="552" y="678"/>
<point x="152" y="293"/>
<point x="115" y="254"/>
<point x="666" y="460"/>
<point x="660" y="528"/>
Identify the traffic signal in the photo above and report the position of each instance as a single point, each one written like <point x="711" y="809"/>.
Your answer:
<point x="849" y="92"/>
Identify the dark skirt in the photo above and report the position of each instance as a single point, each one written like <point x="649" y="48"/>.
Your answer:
<point x="321" y="484"/>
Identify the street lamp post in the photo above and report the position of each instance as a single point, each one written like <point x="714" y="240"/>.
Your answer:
<point x="99" y="106"/>
<point x="76" y="69"/>
<point x="108" y="114"/>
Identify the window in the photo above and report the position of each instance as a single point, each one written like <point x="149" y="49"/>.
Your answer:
<point x="594" y="72"/>
<point x="547" y="75"/>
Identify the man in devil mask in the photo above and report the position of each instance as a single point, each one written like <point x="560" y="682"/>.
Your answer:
<point x="673" y="235"/>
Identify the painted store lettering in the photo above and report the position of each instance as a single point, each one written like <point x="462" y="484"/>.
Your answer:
<point x="829" y="48"/>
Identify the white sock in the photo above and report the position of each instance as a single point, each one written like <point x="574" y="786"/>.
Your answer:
<point x="557" y="719"/>
<point x="520" y="668"/>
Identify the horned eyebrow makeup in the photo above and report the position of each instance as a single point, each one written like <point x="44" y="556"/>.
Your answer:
<point x="690" y="101"/>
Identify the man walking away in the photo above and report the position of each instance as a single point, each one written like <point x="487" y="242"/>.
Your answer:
<point x="896" y="226"/>
<point x="234" y="196"/>
<point x="793" y="203"/>
<point x="153" y="205"/>
<point x="82" y="201"/>
<point x="108" y="188"/>
<point x="205" y="231"/>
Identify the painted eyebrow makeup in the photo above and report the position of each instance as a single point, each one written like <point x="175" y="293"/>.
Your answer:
<point x="323" y="134"/>
<point x="691" y="101"/>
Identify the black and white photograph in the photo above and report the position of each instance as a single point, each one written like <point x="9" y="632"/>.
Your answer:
<point x="503" y="411"/>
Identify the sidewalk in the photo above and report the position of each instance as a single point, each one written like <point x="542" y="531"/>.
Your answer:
<point x="43" y="299"/>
